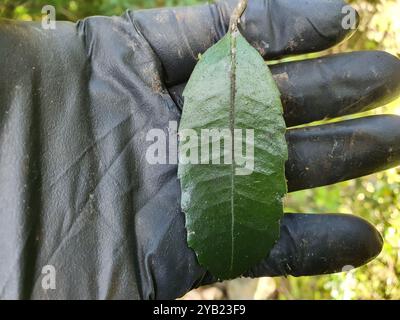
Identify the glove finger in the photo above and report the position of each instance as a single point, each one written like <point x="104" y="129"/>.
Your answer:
<point x="275" y="27"/>
<point x="337" y="85"/>
<point x="314" y="244"/>
<point x="331" y="86"/>
<point x="326" y="154"/>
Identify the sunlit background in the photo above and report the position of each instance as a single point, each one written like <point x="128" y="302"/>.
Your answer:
<point x="375" y="197"/>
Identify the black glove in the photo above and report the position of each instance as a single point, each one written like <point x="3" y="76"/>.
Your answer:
<point x="76" y="103"/>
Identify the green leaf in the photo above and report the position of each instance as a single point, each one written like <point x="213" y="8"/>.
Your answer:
<point x="232" y="215"/>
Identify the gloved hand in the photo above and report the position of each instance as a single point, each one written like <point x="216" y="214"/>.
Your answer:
<point x="76" y="103"/>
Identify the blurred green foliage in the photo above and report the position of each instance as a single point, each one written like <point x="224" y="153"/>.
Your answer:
<point x="376" y="197"/>
<point x="77" y="9"/>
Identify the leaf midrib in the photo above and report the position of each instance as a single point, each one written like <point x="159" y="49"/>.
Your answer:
<point x="232" y="101"/>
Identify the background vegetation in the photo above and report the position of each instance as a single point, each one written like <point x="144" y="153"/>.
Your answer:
<point x="375" y="197"/>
